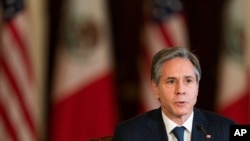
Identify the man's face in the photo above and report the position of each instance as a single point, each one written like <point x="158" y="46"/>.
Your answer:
<point x="177" y="89"/>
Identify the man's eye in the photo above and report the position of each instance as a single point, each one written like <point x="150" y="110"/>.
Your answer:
<point x="189" y="80"/>
<point x="170" y="81"/>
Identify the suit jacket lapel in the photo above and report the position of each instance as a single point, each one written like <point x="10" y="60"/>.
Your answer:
<point x="157" y="127"/>
<point x="199" y="120"/>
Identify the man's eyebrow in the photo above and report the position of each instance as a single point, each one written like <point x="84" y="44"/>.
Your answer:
<point x="170" y="77"/>
<point x="189" y="76"/>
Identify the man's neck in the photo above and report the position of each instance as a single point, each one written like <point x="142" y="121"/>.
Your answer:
<point x="179" y="120"/>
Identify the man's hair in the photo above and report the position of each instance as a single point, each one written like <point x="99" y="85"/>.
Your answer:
<point x="168" y="54"/>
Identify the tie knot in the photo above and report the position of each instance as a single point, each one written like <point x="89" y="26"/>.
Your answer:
<point x="179" y="133"/>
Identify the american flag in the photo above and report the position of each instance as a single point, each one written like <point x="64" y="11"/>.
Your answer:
<point x="18" y="102"/>
<point x="166" y="28"/>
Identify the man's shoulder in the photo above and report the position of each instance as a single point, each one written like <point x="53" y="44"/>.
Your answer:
<point x="214" y="117"/>
<point x="140" y="127"/>
<point x="142" y="118"/>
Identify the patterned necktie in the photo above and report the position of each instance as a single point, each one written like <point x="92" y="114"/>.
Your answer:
<point x="179" y="133"/>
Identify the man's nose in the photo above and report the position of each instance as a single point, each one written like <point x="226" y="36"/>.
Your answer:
<point x="180" y="89"/>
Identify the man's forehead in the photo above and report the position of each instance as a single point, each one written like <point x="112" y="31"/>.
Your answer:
<point x="182" y="76"/>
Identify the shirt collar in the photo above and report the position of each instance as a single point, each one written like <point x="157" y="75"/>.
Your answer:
<point x="170" y="125"/>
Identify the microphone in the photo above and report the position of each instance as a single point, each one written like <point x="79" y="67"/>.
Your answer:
<point x="200" y="127"/>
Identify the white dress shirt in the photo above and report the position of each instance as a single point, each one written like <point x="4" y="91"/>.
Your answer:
<point x="170" y="125"/>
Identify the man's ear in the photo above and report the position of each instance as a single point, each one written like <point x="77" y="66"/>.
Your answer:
<point x="155" y="89"/>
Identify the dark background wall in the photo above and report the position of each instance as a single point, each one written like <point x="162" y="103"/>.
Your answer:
<point x="126" y="22"/>
<point x="204" y="24"/>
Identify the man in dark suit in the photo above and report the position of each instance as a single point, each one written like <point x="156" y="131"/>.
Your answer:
<point x="175" y="75"/>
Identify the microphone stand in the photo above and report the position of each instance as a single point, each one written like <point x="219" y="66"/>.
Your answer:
<point x="207" y="136"/>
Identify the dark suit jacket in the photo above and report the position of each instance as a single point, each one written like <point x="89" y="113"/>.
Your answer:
<point x="150" y="127"/>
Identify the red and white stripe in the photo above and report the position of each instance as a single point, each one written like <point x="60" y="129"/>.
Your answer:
<point x="159" y="35"/>
<point x="18" y="100"/>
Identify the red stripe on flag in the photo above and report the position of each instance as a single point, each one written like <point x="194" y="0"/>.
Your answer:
<point x="10" y="128"/>
<point x="165" y="34"/>
<point x="89" y="112"/>
<point x="19" y="94"/>
<point x="22" y="48"/>
<point x="238" y="110"/>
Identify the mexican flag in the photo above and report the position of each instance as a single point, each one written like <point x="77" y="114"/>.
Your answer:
<point x="233" y="98"/>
